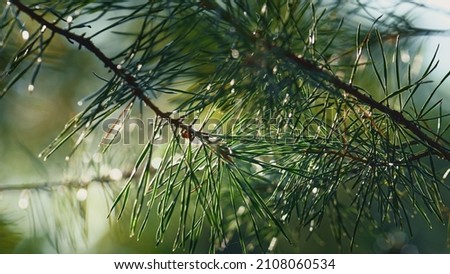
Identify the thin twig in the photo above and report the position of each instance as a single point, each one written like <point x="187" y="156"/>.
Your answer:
<point x="50" y="185"/>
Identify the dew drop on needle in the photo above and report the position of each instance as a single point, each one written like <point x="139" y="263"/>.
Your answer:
<point x="25" y="35"/>
<point x="234" y="53"/>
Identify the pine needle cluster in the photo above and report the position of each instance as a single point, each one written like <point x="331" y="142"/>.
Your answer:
<point x="268" y="113"/>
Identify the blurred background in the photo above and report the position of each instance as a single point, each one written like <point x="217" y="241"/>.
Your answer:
<point x="45" y="209"/>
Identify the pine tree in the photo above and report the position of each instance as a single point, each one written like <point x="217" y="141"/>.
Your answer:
<point x="262" y="114"/>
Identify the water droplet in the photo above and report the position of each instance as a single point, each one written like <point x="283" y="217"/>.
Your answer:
<point x="30" y="88"/>
<point x="40" y="155"/>
<point x="24" y="199"/>
<point x="213" y="139"/>
<point x="391" y="164"/>
<point x="82" y="194"/>
<point x="8" y="3"/>
<point x="315" y="190"/>
<point x="240" y="211"/>
<point x="104" y="170"/>
<point x="256" y="168"/>
<point x="312" y="39"/>
<point x="119" y="66"/>
<point x="404" y="56"/>
<point x="69" y="19"/>
<point x="67" y="158"/>
<point x="311" y="226"/>
<point x="446" y="174"/>
<point x="43" y="28"/>
<point x="233" y="90"/>
<point x="232" y="82"/>
<point x="80" y="103"/>
<point x="39" y="60"/>
<point x="45" y="158"/>
<point x="156" y="162"/>
<point x="264" y="9"/>
<point x="115" y="174"/>
<point x="139" y="66"/>
<point x="25" y="35"/>
<point x="235" y="53"/>
<point x="245" y="13"/>
<point x="274" y="70"/>
<point x="208" y="87"/>
<point x="272" y="244"/>
<point x="23" y="203"/>
<point x="86" y="177"/>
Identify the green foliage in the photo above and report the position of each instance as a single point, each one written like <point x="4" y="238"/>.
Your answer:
<point x="8" y="238"/>
<point x="272" y="120"/>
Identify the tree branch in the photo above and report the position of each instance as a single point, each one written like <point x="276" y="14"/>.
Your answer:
<point x="395" y="115"/>
<point x="108" y="63"/>
<point x="50" y="185"/>
<point x="316" y="69"/>
<point x="304" y="63"/>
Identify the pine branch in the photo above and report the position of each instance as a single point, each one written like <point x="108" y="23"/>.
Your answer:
<point x="304" y="63"/>
<point x="371" y="151"/>
<point x="395" y="115"/>
<point x="50" y="185"/>
<point x="108" y="63"/>
<point x="316" y="69"/>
